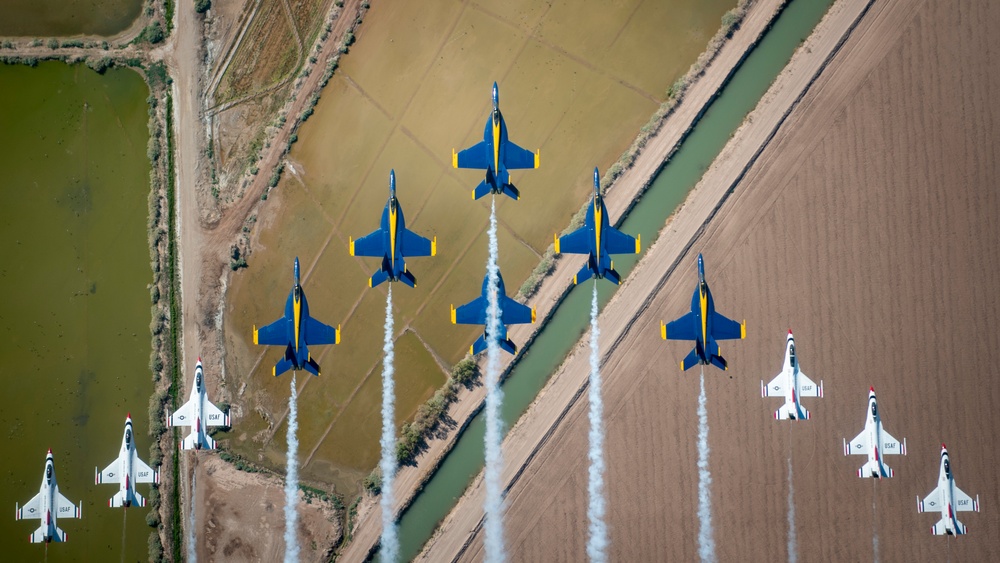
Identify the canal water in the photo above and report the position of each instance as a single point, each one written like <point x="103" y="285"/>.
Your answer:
<point x="74" y="303"/>
<point x="570" y="320"/>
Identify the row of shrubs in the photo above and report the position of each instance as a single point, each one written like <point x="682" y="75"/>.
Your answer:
<point x="413" y="435"/>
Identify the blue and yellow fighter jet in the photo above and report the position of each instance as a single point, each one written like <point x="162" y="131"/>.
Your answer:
<point x="296" y="331"/>
<point x="704" y="326"/>
<point x="511" y="313"/>
<point x="393" y="242"/>
<point x="599" y="240"/>
<point x="495" y="154"/>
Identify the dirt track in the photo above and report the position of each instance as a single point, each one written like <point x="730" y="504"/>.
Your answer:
<point x="868" y="226"/>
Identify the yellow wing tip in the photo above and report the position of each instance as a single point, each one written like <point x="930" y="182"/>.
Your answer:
<point x="663" y="330"/>
<point x="453" y="316"/>
<point x="743" y="329"/>
<point x="274" y="371"/>
<point x="351" y="241"/>
<point x="638" y="243"/>
<point x="434" y="246"/>
<point x="454" y="159"/>
<point x="255" y="335"/>
<point x="337" y="337"/>
<point x="532" y="315"/>
<point x="473" y="195"/>
<point x="556" y="238"/>
<point x="574" y="280"/>
<point x="538" y="157"/>
<point x="471" y="350"/>
<point x="682" y="365"/>
<point x="370" y="282"/>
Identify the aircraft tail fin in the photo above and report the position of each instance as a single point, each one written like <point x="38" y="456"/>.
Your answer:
<point x="377" y="278"/>
<point x="719" y="362"/>
<point x="407" y="278"/>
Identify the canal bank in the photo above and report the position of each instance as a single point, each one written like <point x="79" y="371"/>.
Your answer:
<point x="524" y="446"/>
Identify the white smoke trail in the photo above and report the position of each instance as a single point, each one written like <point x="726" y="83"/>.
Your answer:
<point x="597" y="542"/>
<point x="292" y="480"/>
<point x="192" y="554"/>
<point x="793" y="547"/>
<point x="493" y="506"/>
<point x="390" y="535"/>
<point x="874" y="526"/>
<point x="706" y="540"/>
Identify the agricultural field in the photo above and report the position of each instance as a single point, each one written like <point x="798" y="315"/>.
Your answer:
<point x="576" y="81"/>
<point x="867" y="225"/>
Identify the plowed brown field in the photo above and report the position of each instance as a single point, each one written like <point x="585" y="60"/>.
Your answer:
<point x="869" y="226"/>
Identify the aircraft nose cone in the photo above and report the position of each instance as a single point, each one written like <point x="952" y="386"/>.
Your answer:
<point x="496" y="95"/>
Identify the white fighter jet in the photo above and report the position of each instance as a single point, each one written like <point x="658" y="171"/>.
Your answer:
<point x="875" y="442"/>
<point x="198" y="413"/>
<point x="791" y="384"/>
<point x="127" y="470"/>
<point x="949" y="499"/>
<point x="46" y="506"/>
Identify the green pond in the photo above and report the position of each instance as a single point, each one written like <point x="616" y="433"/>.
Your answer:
<point x="75" y="311"/>
<point x="47" y="18"/>
<point x="571" y="319"/>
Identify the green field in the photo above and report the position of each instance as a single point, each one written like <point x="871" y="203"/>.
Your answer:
<point x="576" y="80"/>
<point x="74" y="275"/>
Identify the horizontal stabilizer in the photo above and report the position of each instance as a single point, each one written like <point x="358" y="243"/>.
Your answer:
<point x="690" y="360"/>
<point x="283" y="365"/>
<point x="875" y="469"/>
<point x="480" y="344"/>
<point x="311" y="366"/>
<point x="789" y="412"/>
<point x="407" y="278"/>
<point x="377" y="278"/>
<point x="941" y="528"/>
<point x="38" y="536"/>
<point x="584" y="274"/>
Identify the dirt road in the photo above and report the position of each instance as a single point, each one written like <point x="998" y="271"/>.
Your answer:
<point x="867" y="224"/>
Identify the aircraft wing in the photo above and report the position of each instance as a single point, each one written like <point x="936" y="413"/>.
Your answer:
<point x="580" y="241"/>
<point x="726" y="329"/>
<point x="65" y="508"/>
<point x="683" y="328"/>
<point x="31" y="509"/>
<point x="214" y="416"/>
<point x="859" y="445"/>
<point x="477" y="156"/>
<point x="517" y="158"/>
<point x="274" y="334"/>
<point x="513" y="313"/>
<point x="369" y="245"/>
<point x="778" y="387"/>
<point x="318" y="333"/>
<point x="807" y="387"/>
<point x="472" y="313"/>
<point x="617" y="242"/>
<point x="891" y="445"/>
<point x="963" y="502"/>
<point x="932" y="501"/>
<point x="143" y="472"/>
<point x="416" y="245"/>
<point x="184" y="415"/>
<point x="110" y="473"/>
